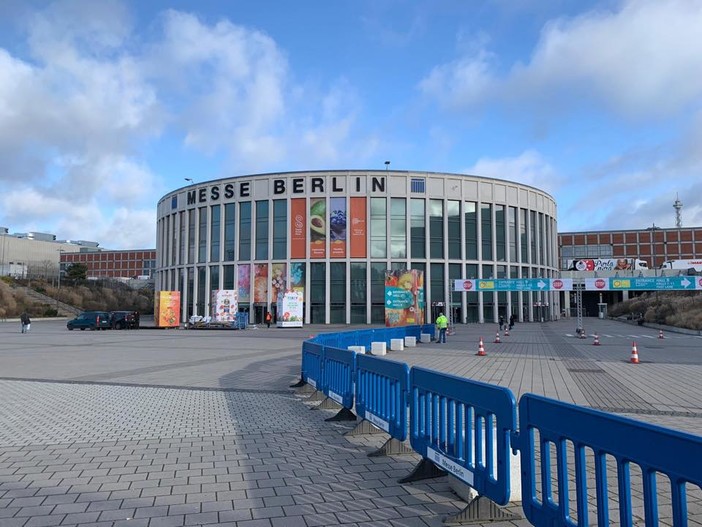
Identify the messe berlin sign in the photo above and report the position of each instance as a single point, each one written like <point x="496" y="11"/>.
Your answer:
<point x="650" y="283"/>
<point x="514" y="284"/>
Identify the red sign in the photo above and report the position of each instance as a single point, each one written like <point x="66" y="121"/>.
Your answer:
<point x="558" y="284"/>
<point x="467" y="285"/>
<point x="599" y="283"/>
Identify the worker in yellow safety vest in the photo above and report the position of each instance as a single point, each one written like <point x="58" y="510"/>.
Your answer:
<point x="442" y="324"/>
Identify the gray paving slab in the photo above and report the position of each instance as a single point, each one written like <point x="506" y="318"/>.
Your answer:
<point x="174" y="427"/>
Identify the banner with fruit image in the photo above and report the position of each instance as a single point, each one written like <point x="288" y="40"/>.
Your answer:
<point x="298" y="231"/>
<point x="357" y="227"/>
<point x="297" y="276"/>
<point x="278" y="279"/>
<point x="337" y="228"/>
<point x="404" y="297"/>
<point x="243" y="283"/>
<point x="318" y="227"/>
<point x="167" y="309"/>
<point x="289" y="309"/>
<point x="260" y="284"/>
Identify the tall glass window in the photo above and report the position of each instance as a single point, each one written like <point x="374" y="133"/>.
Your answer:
<point x="214" y="279"/>
<point x="191" y="236"/>
<point x="542" y="239"/>
<point x="378" y="228"/>
<point x="229" y="225"/>
<point x="191" y="291"/>
<point x="377" y="270"/>
<point x="317" y="292"/>
<point x="215" y="234"/>
<point x="174" y="240"/>
<point x="181" y="242"/>
<point x="262" y="230"/>
<point x="472" y="311"/>
<point x="337" y="293"/>
<point x="523" y="240"/>
<point x="455" y="296"/>
<point x="201" y="288"/>
<point x="280" y="227"/>
<point x="436" y="284"/>
<point x="532" y="232"/>
<point x="228" y="278"/>
<point x="436" y="228"/>
<point x="486" y="229"/>
<point x="358" y="293"/>
<point x="512" y="234"/>
<point x="470" y="219"/>
<point x="398" y="228"/>
<point x="418" y="230"/>
<point x="453" y="213"/>
<point x="500" y="245"/>
<point x="202" y="236"/>
<point x="245" y="230"/>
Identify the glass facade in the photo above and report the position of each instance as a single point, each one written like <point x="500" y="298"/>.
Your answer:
<point x="233" y="239"/>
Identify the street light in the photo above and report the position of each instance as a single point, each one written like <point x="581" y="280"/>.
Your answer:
<point x="189" y="180"/>
<point x="387" y="165"/>
<point x="58" y="292"/>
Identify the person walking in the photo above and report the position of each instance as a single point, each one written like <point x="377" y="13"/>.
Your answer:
<point x="442" y="324"/>
<point x="502" y="322"/>
<point x="269" y="319"/>
<point x="511" y="321"/>
<point x="26" y="322"/>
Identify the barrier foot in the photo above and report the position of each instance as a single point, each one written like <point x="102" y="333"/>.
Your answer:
<point x="363" y="428"/>
<point x="479" y="510"/>
<point x="425" y="469"/>
<point x="343" y="415"/>
<point x="305" y="389"/>
<point x="298" y="384"/>
<point x="392" y="447"/>
<point x="317" y="396"/>
<point x="328" y="404"/>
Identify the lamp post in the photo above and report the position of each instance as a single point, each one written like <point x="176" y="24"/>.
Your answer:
<point x="387" y="166"/>
<point x="58" y="287"/>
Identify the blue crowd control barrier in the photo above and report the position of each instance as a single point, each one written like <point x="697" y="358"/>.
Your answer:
<point x="561" y="427"/>
<point x="311" y="370"/>
<point x="464" y="427"/>
<point x="339" y="366"/>
<point x="382" y="389"/>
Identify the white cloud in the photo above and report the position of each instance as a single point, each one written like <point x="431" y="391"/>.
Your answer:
<point x="528" y="168"/>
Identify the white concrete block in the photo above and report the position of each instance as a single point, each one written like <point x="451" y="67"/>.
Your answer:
<point x="379" y="348"/>
<point x="397" y="344"/>
<point x="357" y="349"/>
<point x="411" y="342"/>
<point x="425" y="337"/>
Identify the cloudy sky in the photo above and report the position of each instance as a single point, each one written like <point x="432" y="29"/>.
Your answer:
<point x="107" y="106"/>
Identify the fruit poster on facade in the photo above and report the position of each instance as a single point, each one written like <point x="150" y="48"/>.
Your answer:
<point x="224" y="304"/>
<point x="167" y="309"/>
<point x="243" y="283"/>
<point x="337" y="228"/>
<point x="357" y="227"/>
<point x="298" y="230"/>
<point x="260" y="284"/>
<point x="318" y="228"/>
<point x="404" y="297"/>
<point x="297" y="276"/>
<point x="278" y="279"/>
<point x="289" y="309"/>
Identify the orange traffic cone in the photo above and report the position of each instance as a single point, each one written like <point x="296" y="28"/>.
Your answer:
<point x="497" y="338"/>
<point x="481" y="348"/>
<point x="660" y="334"/>
<point x="597" y="340"/>
<point x="634" y="354"/>
<point x="506" y="332"/>
<point x="582" y="334"/>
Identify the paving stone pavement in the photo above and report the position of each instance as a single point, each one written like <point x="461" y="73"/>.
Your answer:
<point x="174" y="428"/>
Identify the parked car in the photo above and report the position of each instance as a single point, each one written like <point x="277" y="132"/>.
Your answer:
<point x="90" y="320"/>
<point x="124" y="320"/>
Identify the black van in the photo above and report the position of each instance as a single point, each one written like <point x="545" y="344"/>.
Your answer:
<point x="90" y="320"/>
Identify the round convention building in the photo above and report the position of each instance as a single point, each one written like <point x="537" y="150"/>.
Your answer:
<point x="332" y="235"/>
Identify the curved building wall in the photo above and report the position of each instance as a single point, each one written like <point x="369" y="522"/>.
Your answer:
<point x="334" y="233"/>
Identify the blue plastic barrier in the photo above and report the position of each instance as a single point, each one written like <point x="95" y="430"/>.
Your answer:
<point x="654" y="449"/>
<point x="382" y="389"/>
<point x="311" y="369"/>
<point x="339" y="367"/>
<point x="464" y="427"/>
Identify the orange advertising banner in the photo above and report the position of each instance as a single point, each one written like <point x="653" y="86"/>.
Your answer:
<point x="298" y="228"/>
<point x="357" y="228"/>
<point x="167" y="309"/>
<point x="318" y="228"/>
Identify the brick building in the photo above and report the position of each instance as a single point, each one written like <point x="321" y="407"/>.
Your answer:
<point x="131" y="263"/>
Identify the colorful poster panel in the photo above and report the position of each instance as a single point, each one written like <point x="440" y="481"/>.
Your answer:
<point x="243" y="283"/>
<point x="224" y="304"/>
<point x="337" y="228"/>
<point x="297" y="276"/>
<point x="260" y="284"/>
<point x="357" y="228"/>
<point x="167" y="309"/>
<point x="318" y="227"/>
<point x="278" y="279"/>
<point x="289" y="309"/>
<point x="298" y="230"/>
<point x="404" y="297"/>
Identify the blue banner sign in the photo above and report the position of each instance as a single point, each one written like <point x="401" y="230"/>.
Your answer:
<point x="514" y="284"/>
<point x="648" y="283"/>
